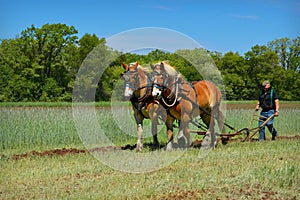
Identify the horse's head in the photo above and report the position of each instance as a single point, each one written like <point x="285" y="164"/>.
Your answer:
<point x="130" y="76"/>
<point x="159" y="78"/>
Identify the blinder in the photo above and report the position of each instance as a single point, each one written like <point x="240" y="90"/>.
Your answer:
<point x="126" y="76"/>
<point x="164" y="76"/>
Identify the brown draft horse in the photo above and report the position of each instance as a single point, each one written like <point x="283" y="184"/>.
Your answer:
<point x="185" y="101"/>
<point x="138" y="88"/>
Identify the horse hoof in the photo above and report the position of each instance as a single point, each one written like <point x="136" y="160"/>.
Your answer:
<point x="154" y="146"/>
<point x="169" y="147"/>
<point x="139" y="147"/>
<point x="215" y="144"/>
<point x="206" y="143"/>
<point x="182" y="143"/>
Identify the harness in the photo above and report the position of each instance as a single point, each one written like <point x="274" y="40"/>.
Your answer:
<point x="173" y="96"/>
<point x="139" y="102"/>
<point x="271" y="96"/>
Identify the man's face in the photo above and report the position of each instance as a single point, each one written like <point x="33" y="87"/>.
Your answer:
<point x="267" y="86"/>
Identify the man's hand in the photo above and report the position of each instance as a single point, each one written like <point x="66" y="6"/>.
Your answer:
<point x="257" y="108"/>
<point x="276" y="114"/>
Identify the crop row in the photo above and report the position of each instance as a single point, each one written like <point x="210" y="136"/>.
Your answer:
<point x="52" y="127"/>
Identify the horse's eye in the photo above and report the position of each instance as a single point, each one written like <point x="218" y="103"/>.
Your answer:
<point x="126" y="78"/>
<point x="152" y="78"/>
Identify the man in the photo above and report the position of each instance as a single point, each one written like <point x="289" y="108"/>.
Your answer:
<point x="269" y="102"/>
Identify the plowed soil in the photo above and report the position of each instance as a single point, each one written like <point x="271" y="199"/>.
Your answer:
<point x="64" y="151"/>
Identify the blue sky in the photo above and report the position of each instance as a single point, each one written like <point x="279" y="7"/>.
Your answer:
<point x="232" y="25"/>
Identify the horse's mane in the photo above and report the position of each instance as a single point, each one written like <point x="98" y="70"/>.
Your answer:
<point x="169" y="69"/>
<point x="144" y="69"/>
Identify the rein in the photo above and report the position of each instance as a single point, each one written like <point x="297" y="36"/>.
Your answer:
<point x="148" y="87"/>
<point x="147" y="93"/>
<point x="172" y="94"/>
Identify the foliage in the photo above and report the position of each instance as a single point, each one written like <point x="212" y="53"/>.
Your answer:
<point x="42" y="63"/>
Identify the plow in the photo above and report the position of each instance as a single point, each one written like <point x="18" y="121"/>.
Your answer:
<point x="246" y="133"/>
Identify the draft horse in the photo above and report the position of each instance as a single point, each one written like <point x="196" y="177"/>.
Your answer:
<point x="184" y="101"/>
<point x="138" y="89"/>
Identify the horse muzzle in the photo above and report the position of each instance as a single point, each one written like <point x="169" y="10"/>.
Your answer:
<point x="156" y="93"/>
<point x="128" y="92"/>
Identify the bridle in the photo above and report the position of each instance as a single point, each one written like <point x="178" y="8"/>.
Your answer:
<point x="128" y="75"/>
<point x="164" y="76"/>
<point x="173" y="96"/>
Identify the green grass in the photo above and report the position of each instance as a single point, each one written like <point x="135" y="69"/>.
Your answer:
<point x="286" y="124"/>
<point x="255" y="170"/>
<point x="35" y="127"/>
<point x="24" y="128"/>
<point x="57" y="104"/>
<point x="250" y="170"/>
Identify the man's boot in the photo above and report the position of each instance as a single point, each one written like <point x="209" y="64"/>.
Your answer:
<point x="274" y="134"/>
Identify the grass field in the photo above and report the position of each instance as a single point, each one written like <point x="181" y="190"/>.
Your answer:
<point x="250" y="170"/>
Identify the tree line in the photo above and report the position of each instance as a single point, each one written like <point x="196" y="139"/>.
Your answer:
<point x="41" y="65"/>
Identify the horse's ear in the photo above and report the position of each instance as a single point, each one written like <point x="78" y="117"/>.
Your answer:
<point x="152" y="67"/>
<point x="136" y="64"/>
<point x="162" y="66"/>
<point x="125" y="66"/>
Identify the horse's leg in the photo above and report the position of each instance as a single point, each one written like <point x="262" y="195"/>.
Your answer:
<point x="180" y="137"/>
<point x="205" y="118"/>
<point x="139" y="121"/>
<point x="209" y="138"/>
<point x="139" y="143"/>
<point x="212" y="129"/>
<point x="153" y="112"/>
<point x="220" y="120"/>
<point x="185" y="119"/>
<point x="169" y="124"/>
<point x="219" y="115"/>
<point x="212" y="132"/>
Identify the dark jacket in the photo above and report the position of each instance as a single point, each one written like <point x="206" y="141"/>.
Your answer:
<point x="265" y="100"/>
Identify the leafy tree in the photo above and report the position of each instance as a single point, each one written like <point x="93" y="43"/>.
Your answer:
<point x="234" y="71"/>
<point x="87" y="43"/>
<point x="157" y="55"/>
<point x="91" y="80"/>
<point x="42" y="65"/>
<point x="217" y="58"/>
<point x="288" y="52"/>
<point x="45" y="46"/>
<point x="262" y="64"/>
<point x="38" y="54"/>
<point x="196" y="64"/>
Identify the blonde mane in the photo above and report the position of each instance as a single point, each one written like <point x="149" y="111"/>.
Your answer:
<point x="146" y="70"/>
<point x="169" y="69"/>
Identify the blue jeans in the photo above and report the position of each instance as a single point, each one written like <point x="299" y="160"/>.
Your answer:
<point x="262" y="119"/>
